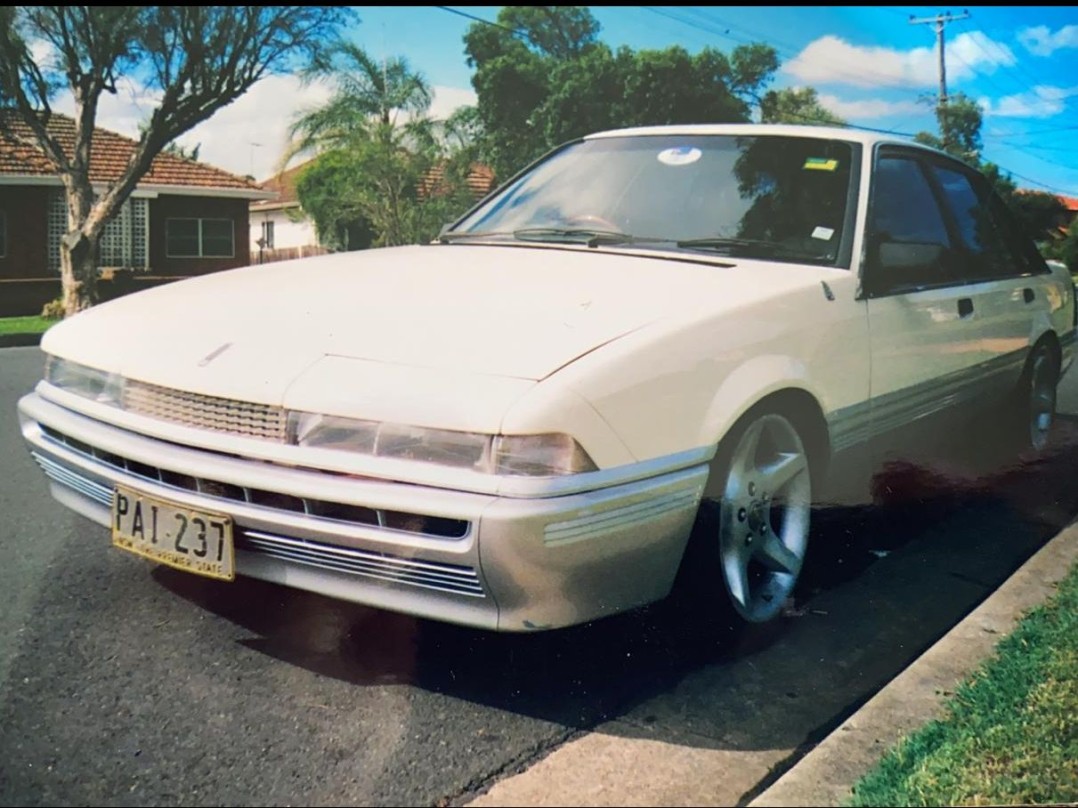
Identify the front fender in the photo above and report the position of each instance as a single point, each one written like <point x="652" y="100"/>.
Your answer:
<point x="748" y="384"/>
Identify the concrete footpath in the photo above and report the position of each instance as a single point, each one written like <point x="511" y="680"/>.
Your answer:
<point x="643" y="758"/>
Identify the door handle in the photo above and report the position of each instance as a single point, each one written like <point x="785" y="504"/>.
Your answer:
<point x="965" y="307"/>
<point x="1027" y="295"/>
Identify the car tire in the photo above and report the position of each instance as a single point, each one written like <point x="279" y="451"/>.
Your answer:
<point x="748" y="546"/>
<point x="1034" y="406"/>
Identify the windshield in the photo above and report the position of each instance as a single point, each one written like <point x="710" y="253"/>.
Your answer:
<point x="779" y="197"/>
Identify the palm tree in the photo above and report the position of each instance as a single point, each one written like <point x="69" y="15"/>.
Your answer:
<point x="369" y="97"/>
<point x="375" y="146"/>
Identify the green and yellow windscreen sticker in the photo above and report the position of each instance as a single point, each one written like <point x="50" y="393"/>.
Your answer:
<point x="820" y="164"/>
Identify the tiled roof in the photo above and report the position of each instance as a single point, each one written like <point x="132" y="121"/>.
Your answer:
<point x="1069" y="202"/>
<point x="282" y="184"/>
<point x="480" y="180"/>
<point x="20" y="155"/>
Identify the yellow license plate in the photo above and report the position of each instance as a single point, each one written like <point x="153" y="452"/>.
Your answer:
<point x="171" y="534"/>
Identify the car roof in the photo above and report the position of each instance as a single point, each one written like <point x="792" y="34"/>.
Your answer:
<point x="867" y="138"/>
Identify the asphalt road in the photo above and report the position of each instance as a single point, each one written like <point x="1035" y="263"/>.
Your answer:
<point x="122" y="683"/>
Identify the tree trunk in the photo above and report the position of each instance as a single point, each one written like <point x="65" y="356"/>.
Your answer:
<point x="78" y="272"/>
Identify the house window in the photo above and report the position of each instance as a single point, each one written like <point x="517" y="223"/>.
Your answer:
<point x="124" y="242"/>
<point x="267" y="235"/>
<point x="199" y="238"/>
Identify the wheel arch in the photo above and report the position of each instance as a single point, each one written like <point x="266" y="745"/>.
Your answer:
<point x="803" y="410"/>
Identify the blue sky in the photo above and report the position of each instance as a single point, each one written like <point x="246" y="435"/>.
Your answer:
<point x="869" y="64"/>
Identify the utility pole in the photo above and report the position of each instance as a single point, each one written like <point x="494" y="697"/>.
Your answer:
<point x="940" y="21"/>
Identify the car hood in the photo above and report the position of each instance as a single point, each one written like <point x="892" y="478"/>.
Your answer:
<point x="519" y="312"/>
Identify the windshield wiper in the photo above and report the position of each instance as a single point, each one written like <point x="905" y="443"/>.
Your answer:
<point x="466" y="235"/>
<point x="748" y="246"/>
<point x="585" y="235"/>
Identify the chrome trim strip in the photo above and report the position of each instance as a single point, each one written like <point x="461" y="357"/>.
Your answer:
<point x="381" y="468"/>
<point x="65" y="476"/>
<point x="426" y="575"/>
<point x="608" y="521"/>
<point x="850" y="425"/>
<point x="927" y="398"/>
<point x="868" y="419"/>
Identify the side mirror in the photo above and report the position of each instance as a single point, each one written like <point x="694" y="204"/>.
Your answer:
<point x="904" y="258"/>
<point x="896" y="265"/>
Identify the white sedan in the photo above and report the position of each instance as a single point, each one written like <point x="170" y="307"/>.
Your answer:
<point x="651" y="352"/>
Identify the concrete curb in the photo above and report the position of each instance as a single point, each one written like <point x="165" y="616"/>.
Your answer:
<point x="19" y="340"/>
<point x="826" y="775"/>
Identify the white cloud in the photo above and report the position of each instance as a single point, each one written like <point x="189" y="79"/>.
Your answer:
<point x="43" y="53"/>
<point x="831" y="59"/>
<point x="250" y="135"/>
<point x="123" y="112"/>
<point x="1042" y="101"/>
<point x="868" y="107"/>
<point x="447" y="99"/>
<point x="1040" y="41"/>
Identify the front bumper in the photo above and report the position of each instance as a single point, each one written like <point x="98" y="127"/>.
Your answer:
<point x="508" y="564"/>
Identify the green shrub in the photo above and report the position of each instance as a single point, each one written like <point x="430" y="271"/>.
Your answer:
<point x="54" y="309"/>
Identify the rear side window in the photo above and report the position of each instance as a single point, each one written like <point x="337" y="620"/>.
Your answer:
<point x="990" y="248"/>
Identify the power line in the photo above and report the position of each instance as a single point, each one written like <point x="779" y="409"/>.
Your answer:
<point x="474" y="18"/>
<point x="940" y="21"/>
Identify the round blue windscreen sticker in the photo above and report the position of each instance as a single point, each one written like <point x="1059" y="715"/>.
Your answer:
<point x="680" y="155"/>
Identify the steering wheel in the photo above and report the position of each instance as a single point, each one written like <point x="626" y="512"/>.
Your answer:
<point x="592" y="221"/>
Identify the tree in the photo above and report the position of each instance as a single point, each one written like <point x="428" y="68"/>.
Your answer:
<point x="384" y="172"/>
<point x="543" y="77"/>
<point x="1067" y="250"/>
<point x="797" y="106"/>
<point x="367" y="93"/>
<point x="959" y="120"/>
<point x="199" y="58"/>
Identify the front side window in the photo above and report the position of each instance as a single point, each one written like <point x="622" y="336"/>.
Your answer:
<point x="908" y="242"/>
<point x="776" y="197"/>
<point x="199" y="238"/>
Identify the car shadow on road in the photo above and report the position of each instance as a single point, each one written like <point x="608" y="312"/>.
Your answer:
<point x="881" y="584"/>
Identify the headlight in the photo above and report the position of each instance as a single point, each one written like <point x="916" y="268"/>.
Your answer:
<point x="540" y="455"/>
<point x="518" y="455"/>
<point x="84" y="381"/>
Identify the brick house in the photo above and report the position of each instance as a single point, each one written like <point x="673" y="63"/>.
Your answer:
<point x="184" y="218"/>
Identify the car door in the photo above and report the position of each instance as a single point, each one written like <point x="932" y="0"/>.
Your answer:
<point x="1005" y="282"/>
<point x="926" y="330"/>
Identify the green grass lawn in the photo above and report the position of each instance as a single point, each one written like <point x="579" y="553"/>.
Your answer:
<point x="24" y="325"/>
<point x="1010" y="734"/>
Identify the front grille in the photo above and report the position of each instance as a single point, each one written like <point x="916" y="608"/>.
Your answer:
<point x="206" y="412"/>
<point x="457" y="579"/>
<point x="423" y="524"/>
